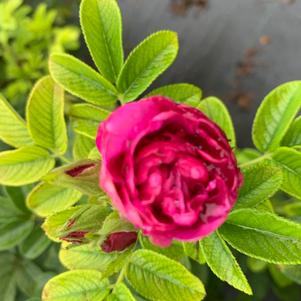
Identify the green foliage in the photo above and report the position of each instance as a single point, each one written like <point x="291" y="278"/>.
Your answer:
<point x="253" y="227"/>
<point x="85" y="218"/>
<point x="275" y="115"/>
<point x="102" y="29"/>
<point x="86" y="181"/>
<point x="25" y="165"/>
<point x="222" y="262"/>
<point x="45" y="116"/>
<point x="146" y="62"/>
<point x="183" y="93"/>
<point x="114" y="223"/>
<point x="290" y="162"/>
<point x="11" y="234"/>
<point x="86" y="118"/>
<point x="121" y="293"/>
<point x="82" y="147"/>
<point x="216" y="111"/>
<point x="261" y="181"/>
<point x="166" y="279"/>
<point x="90" y="256"/>
<point x="77" y="286"/>
<point x="82" y="81"/>
<point x="292" y="272"/>
<point x="13" y="129"/>
<point x="293" y="135"/>
<point x="35" y="244"/>
<point x="27" y="37"/>
<point x="175" y="251"/>
<point x="263" y="235"/>
<point x="46" y="199"/>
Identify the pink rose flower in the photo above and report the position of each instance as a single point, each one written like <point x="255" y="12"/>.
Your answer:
<point x="168" y="169"/>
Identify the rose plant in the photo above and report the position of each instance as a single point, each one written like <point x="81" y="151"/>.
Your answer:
<point x="145" y="185"/>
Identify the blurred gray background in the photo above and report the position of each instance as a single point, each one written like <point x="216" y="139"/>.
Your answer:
<point x="237" y="50"/>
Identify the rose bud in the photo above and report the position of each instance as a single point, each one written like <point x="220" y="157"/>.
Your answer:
<point x="81" y="175"/>
<point x="118" y="241"/>
<point x="168" y="169"/>
<point x="75" y="237"/>
<point x="78" y="170"/>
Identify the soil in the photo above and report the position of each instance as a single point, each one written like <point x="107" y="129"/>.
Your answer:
<point x="180" y="7"/>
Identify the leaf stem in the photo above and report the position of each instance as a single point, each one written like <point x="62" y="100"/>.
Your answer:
<point x="261" y="158"/>
<point x="121" y="275"/>
<point x="63" y="159"/>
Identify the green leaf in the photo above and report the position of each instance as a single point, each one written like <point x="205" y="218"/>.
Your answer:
<point x="275" y="115"/>
<point x="184" y="93"/>
<point x="121" y="293"/>
<point x="191" y="250"/>
<point x="217" y="111"/>
<point x="166" y="279"/>
<point x="46" y="199"/>
<point x="279" y="278"/>
<point x="292" y="272"/>
<point x="256" y="265"/>
<point x="293" y="135"/>
<point x="81" y="175"/>
<point x="16" y="194"/>
<point x="11" y="234"/>
<point x="24" y="166"/>
<point x="82" y="147"/>
<point x="81" y="80"/>
<point x="114" y="223"/>
<point x="76" y="286"/>
<point x="13" y="129"/>
<point x="27" y="275"/>
<point x="263" y="235"/>
<point x="175" y="251"/>
<point x="292" y="209"/>
<point x="8" y="287"/>
<point x="290" y="162"/>
<point x="94" y="154"/>
<point x="261" y="181"/>
<point x="222" y="262"/>
<point x="87" y="218"/>
<point x="90" y="256"/>
<point x="45" y="115"/>
<point x="35" y="244"/>
<point x="102" y="29"/>
<point x="246" y="154"/>
<point x="9" y="212"/>
<point x="146" y="62"/>
<point x="86" y="119"/>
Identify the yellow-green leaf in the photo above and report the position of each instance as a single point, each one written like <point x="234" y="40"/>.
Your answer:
<point x="13" y="129"/>
<point x="83" y="285"/>
<point x="24" y="166"/>
<point x="46" y="199"/>
<point x="45" y="115"/>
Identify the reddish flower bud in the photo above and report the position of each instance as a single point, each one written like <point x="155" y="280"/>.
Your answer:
<point x="75" y="237"/>
<point x="118" y="241"/>
<point x="76" y="171"/>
